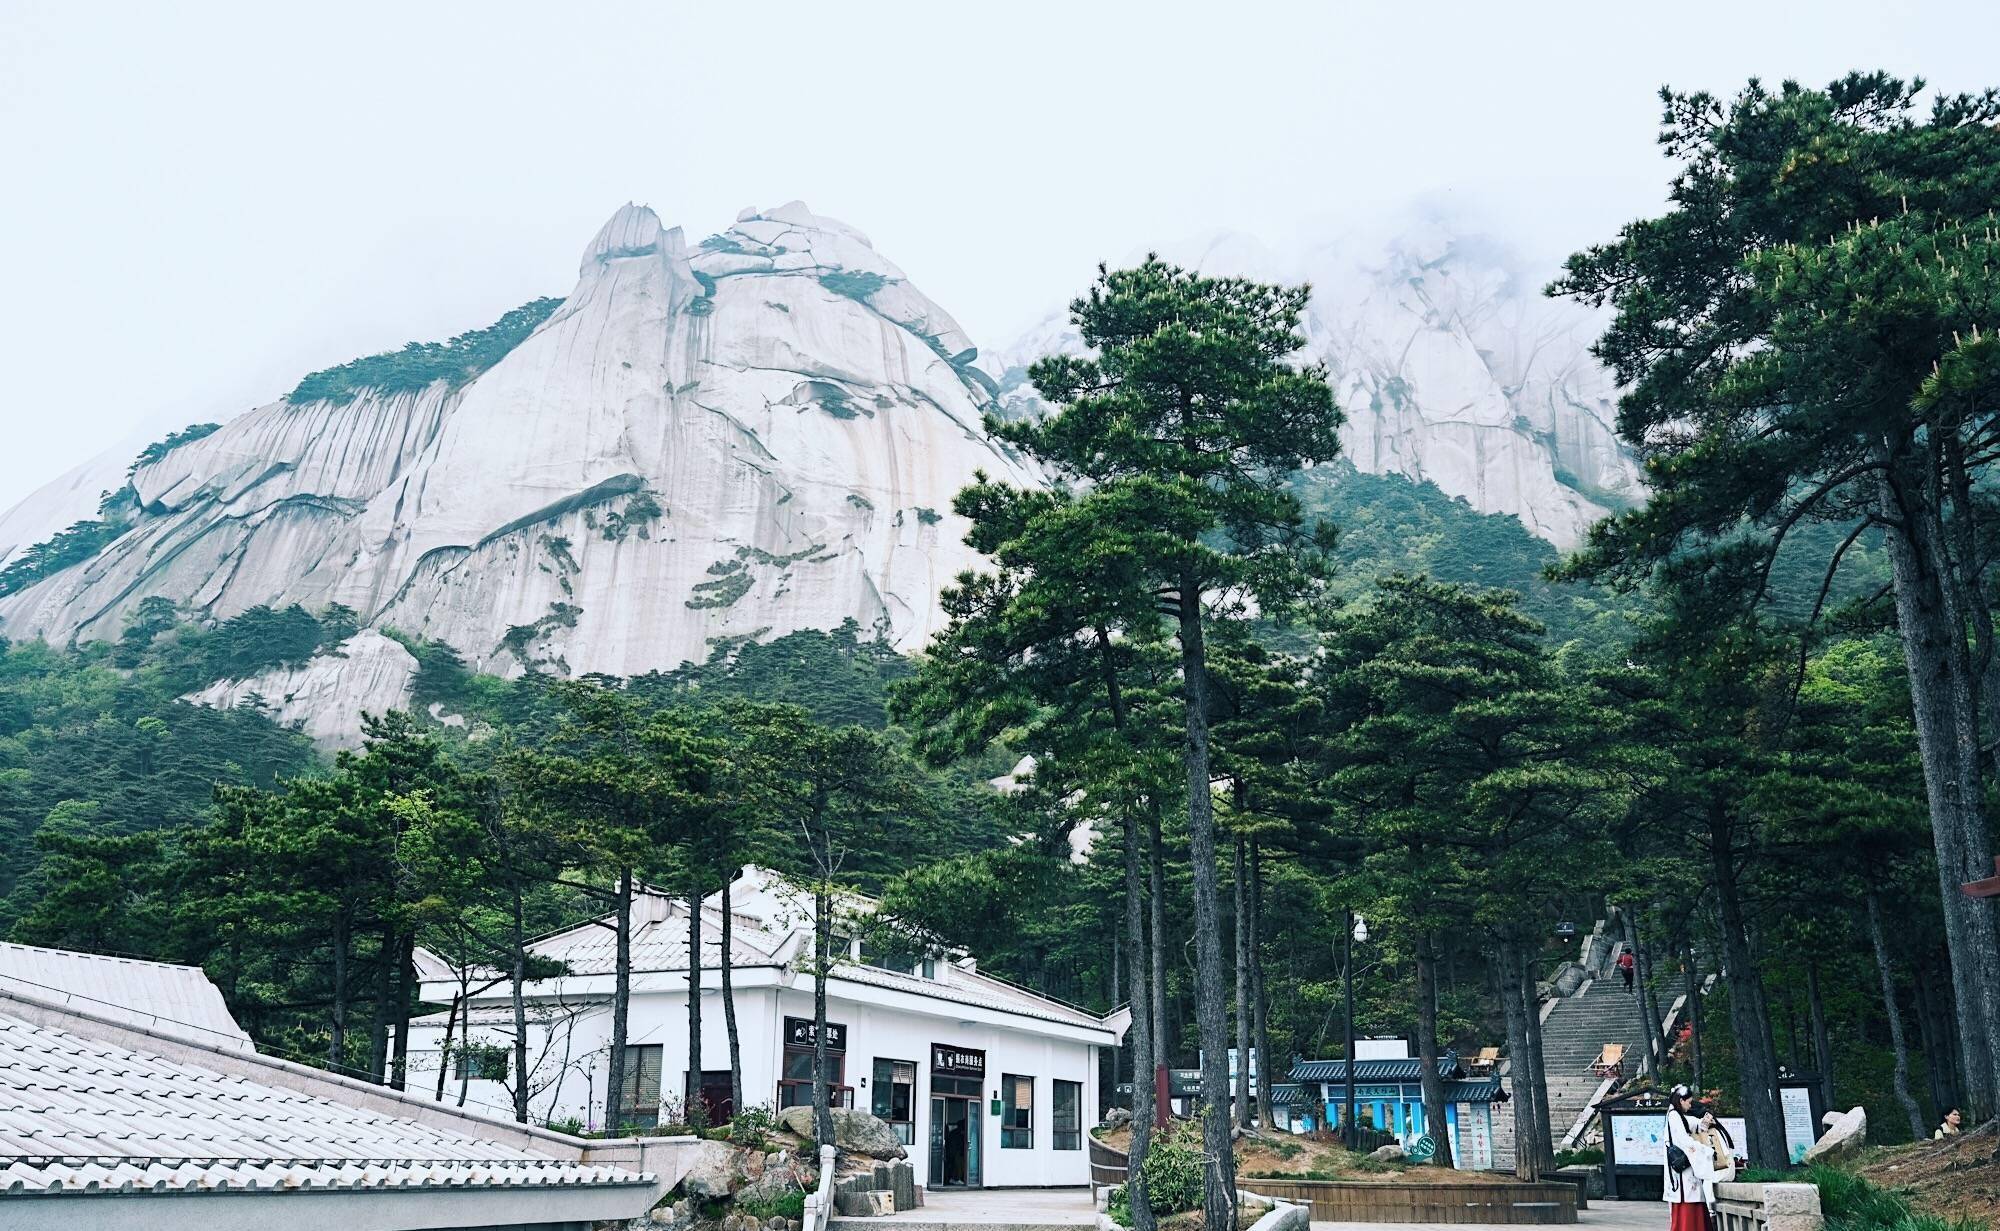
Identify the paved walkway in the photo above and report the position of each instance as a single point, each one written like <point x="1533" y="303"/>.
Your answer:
<point x="1601" y="1216"/>
<point x="1025" y="1209"/>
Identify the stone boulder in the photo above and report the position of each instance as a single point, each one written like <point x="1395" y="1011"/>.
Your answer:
<point x="1117" y="1117"/>
<point x="1391" y="1153"/>
<point x="721" y="1170"/>
<point x="783" y="1174"/>
<point x="854" y="1132"/>
<point x="1847" y="1134"/>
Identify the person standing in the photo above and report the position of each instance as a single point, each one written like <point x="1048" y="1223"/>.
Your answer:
<point x="1627" y="966"/>
<point x="1949" y="1126"/>
<point x="1684" y="1187"/>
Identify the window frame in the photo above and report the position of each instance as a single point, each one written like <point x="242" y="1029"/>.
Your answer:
<point x="637" y="1109"/>
<point x="482" y="1057"/>
<point x="1017" y="1122"/>
<point x="906" y="1128"/>
<point x="1061" y="1138"/>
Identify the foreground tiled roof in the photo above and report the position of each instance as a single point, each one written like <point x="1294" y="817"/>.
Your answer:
<point x="1471" y="1090"/>
<point x="80" y="1115"/>
<point x="1371" y="1070"/>
<point x="177" y="1000"/>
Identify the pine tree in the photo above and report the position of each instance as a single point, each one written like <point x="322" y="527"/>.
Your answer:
<point x="1177" y="435"/>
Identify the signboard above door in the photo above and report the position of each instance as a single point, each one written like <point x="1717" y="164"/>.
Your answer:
<point x="799" y="1033"/>
<point x="950" y="1061"/>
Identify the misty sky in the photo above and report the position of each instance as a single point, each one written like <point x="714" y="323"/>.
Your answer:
<point x="203" y="200"/>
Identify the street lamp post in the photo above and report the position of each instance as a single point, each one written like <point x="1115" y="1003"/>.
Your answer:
<point x="1357" y="929"/>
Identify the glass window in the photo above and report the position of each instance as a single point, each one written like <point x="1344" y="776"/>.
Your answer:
<point x="1017" y="1112"/>
<point x="895" y="1097"/>
<point x="795" y="1088"/>
<point x="484" y="1061"/>
<point x="641" y="1093"/>
<point x="1068" y="1110"/>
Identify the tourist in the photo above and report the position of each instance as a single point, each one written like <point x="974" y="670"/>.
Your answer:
<point x="1710" y="1132"/>
<point x="1627" y="966"/>
<point x="1949" y="1126"/>
<point x="1685" y="1188"/>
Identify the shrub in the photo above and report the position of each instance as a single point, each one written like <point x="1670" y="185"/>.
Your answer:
<point x="784" y="1205"/>
<point x="1173" y="1170"/>
<point x="752" y="1127"/>
<point x="1587" y="1156"/>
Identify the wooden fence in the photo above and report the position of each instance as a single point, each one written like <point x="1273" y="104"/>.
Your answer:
<point x="1342" y="1201"/>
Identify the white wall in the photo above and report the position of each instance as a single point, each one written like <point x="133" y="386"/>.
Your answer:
<point x="571" y="1064"/>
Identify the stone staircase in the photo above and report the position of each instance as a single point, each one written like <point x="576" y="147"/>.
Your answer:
<point x="1574" y="1032"/>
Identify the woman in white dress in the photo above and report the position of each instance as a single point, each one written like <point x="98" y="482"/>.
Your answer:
<point x="1687" y="1193"/>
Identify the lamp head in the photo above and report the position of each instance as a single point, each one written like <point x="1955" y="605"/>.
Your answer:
<point x="1360" y="929"/>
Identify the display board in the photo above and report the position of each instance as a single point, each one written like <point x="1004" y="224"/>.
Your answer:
<point x="1641" y="1140"/>
<point x="1800" y="1129"/>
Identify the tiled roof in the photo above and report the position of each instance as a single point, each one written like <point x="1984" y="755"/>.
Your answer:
<point x="971" y="988"/>
<point x="177" y="1000"/>
<point x="1284" y="1095"/>
<point x="1371" y="1070"/>
<point x="661" y="944"/>
<point x="1471" y="1090"/>
<point x="79" y="1115"/>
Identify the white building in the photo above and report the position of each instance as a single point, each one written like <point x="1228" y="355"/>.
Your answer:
<point x="990" y="1085"/>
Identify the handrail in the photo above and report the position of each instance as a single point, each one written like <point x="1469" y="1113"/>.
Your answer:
<point x="819" y="1202"/>
<point x="1768" y="1207"/>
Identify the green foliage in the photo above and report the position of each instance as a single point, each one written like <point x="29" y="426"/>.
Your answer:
<point x="855" y="284"/>
<point x="785" y="1205"/>
<point x="722" y="591"/>
<point x="421" y="364"/>
<point x="174" y="440"/>
<point x="1851" y="1203"/>
<point x="1173" y="1170"/>
<point x="70" y="546"/>
<point x="1586" y="1157"/>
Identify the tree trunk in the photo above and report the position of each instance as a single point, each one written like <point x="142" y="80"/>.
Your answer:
<point x="691" y="1094"/>
<point x="1211" y="1012"/>
<point x="1947" y="727"/>
<point x="1143" y="1110"/>
<point x="729" y="1001"/>
<point x="1694" y="1017"/>
<point x="1157" y="950"/>
<point x="406" y="995"/>
<point x="822" y="963"/>
<point x="1898" y="1048"/>
<point x="1427" y="1050"/>
<point x="621" y="1009"/>
<point x="1649" y="1025"/>
<point x="1241" y="1095"/>
<point x="1822" y="1048"/>
<point x="1749" y="1017"/>
<point x="1940" y="1044"/>
<point x="386" y="952"/>
<point x="1514" y="1005"/>
<point x="517" y="978"/>
<point x="450" y="1027"/>
<point x="1266" y="1117"/>
<point x="336" y="1048"/>
<point x="1538" y="1077"/>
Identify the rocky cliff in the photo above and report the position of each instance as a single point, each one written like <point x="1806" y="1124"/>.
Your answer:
<point x="758" y="433"/>
<point x="1450" y="364"/>
<point x="754" y="434"/>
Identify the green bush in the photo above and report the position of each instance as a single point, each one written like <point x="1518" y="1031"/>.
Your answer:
<point x="1851" y="1203"/>
<point x="1585" y="1157"/>
<point x="1173" y="1170"/>
<point x="785" y="1205"/>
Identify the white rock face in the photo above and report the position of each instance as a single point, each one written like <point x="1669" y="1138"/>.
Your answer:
<point x="759" y="434"/>
<point x="367" y="674"/>
<point x="63" y="501"/>
<point x="1450" y="364"/>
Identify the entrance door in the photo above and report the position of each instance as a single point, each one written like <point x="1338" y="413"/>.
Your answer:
<point x="954" y="1143"/>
